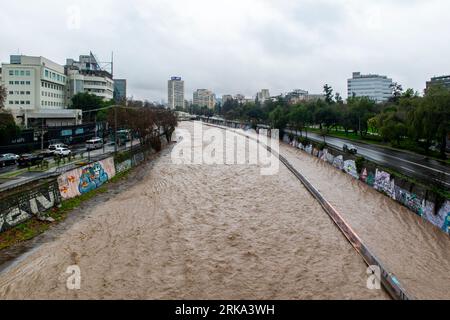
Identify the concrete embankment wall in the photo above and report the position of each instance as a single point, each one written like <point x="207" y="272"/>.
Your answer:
<point x="420" y="200"/>
<point x="19" y="206"/>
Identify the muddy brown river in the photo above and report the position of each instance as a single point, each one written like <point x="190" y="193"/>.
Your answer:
<point x="223" y="232"/>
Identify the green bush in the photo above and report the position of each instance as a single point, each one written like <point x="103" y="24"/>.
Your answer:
<point x="304" y="141"/>
<point x="322" y="146"/>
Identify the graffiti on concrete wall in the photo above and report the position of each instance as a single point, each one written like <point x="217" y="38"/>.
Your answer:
<point x="363" y="176"/>
<point x="446" y="225"/>
<point x="82" y="180"/>
<point x="350" y="168"/>
<point x="409" y="200"/>
<point x="384" y="183"/>
<point x="338" y="162"/>
<point x="370" y="179"/>
<point x="315" y="152"/>
<point x="441" y="218"/>
<point x="286" y="139"/>
<point x="323" y="156"/>
<point x="138" y="158"/>
<point x="309" y="149"/>
<point x="19" y="208"/>
<point x="330" y="158"/>
<point x="123" y="166"/>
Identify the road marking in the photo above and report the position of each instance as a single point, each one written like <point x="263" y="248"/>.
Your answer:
<point x="374" y="151"/>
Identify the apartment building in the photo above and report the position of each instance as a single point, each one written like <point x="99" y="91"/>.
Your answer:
<point x="204" y="98"/>
<point x="86" y="75"/>
<point x="36" y="92"/>
<point x="175" y="93"/>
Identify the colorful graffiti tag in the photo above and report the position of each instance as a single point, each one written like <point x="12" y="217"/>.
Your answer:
<point x="409" y="200"/>
<point x="339" y="162"/>
<point x="350" y="168"/>
<point x="123" y="166"/>
<point x="82" y="180"/>
<point x="18" y="208"/>
<point x="384" y="183"/>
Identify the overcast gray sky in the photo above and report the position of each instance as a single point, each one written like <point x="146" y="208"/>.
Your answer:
<point x="237" y="46"/>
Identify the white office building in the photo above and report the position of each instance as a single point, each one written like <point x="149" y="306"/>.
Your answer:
<point x="36" y="92"/>
<point x="373" y="86"/>
<point x="86" y="75"/>
<point x="175" y="93"/>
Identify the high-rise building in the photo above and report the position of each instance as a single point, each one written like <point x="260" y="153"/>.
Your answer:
<point x="36" y="92"/>
<point x="263" y="95"/>
<point x="120" y="90"/>
<point x="443" y="81"/>
<point x="86" y="75"/>
<point x="204" y="98"/>
<point x="175" y="93"/>
<point x="373" y="86"/>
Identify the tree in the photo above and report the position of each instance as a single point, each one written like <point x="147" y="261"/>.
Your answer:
<point x="397" y="91"/>
<point x="8" y="128"/>
<point x="167" y="120"/>
<point x="279" y="119"/>
<point x="87" y="102"/>
<point x="338" y="98"/>
<point x="328" y="94"/>
<point x="298" y="117"/>
<point x="2" y="96"/>
<point x="430" y="121"/>
<point x="360" y="110"/>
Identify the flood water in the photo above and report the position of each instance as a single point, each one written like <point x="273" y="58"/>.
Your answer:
<point x="202" y="232"/>
<point x="417" y="252"/>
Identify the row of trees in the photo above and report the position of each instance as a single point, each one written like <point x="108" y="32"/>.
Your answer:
<point x="8" y="127"/>
<point x="143" y="119"/>
<point x="144" y="122"/>
<point x="406" y="120"/>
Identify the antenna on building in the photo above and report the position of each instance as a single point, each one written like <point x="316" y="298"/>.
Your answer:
<point x="112" y="64"/>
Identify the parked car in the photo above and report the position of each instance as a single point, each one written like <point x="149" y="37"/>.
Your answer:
<point x="8" y="159"/>
<point x="63" y="152"/>
<point x="52" y="148"/>
<point x="29" y="159"/>
<point x="93" y="144"/>
<point x="350" y="148"/>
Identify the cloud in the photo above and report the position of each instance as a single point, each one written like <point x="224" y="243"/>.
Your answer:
<point x="237" y="45"/>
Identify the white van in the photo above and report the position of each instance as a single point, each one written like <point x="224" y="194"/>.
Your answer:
<point x="93" y="144"/>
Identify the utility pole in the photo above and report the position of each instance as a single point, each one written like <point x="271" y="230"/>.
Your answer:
<point x="42" y="134"/>
<point x="115" y="129"/>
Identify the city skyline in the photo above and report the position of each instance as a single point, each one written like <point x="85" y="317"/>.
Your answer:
<point x="264" y="44"/>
